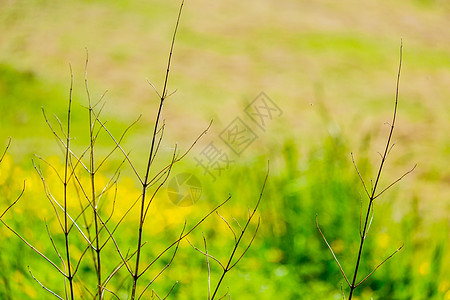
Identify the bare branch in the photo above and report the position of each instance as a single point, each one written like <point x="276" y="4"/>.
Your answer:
<point x="60" y="126"/>
<point x="206" y="254"/>
<point x="118" y="143"/>
<point x="33" y="248"/>
<point x="121" y="149"/>
<point x="155" y="294"/>
<point x="167" y="96"/>
<point x="249" y="244"/>
<point x="332" y="252"/>
<point x="51" y="166"/>
<point x="226" y="294"/>
<point x="120" y="265"/>
<point x="54" y="246"/>
<point x="156" y="91"/>
<point x="237" y="222"/>
<point x="54" y="201"/>
<point x="158" y="175"/>
<point x="59" y="138"/>
<point x="15" y="201"/>
<point x="164" y="91"/>
<point x="229" y="265"/>
<point x="81" y="258"/>
<point x="389" y="186"/>
<point x="173" y="286"/>
<point x="44" y="287"/>
<point x="109" y="291"/>
<point x="6" y="150"/>
<point x="359" y="174"/>
<point x="229" y="226"/>
<point x="379" y="265"/>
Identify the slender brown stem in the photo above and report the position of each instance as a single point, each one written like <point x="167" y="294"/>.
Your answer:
<point x="92" y="121"/>
<point x="373" y="193"/>
<point x="65" y="185"/>
<point x="145" y="182"/>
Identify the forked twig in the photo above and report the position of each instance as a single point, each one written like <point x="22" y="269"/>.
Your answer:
<point x="205" y="253"/>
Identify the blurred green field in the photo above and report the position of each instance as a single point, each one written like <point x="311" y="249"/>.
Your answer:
<point x="329" y="66"/>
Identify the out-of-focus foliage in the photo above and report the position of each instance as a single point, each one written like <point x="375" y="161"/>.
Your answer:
<point x="288" y="259"/>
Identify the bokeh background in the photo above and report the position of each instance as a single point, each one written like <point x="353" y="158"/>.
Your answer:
<point x="330" y="67"/>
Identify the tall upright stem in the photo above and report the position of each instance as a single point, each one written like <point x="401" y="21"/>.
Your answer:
<point x="66" y="179"/>
<point x="146" y="182"/>
<point x="97" y="257"/>
<point x="374" y="189"/>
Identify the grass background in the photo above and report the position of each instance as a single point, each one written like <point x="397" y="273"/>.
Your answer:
<point x="331" y="67"/>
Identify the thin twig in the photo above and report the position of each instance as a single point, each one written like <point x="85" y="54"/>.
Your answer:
<point x="44" y="287"/>
<point x="359" y="174"/>
<point x="15" y="201"/>
<point x="332" y="252"/>
<point x="173" y="286"/>
<point x="400" y="178"/>
<point x="229" y="226"/>
<point x="109" y="291"/>
<point x="33" y="248"/>
<point x="206" y="254"/>
<point x="6" y="150"/>
<point x="380" y="264"/>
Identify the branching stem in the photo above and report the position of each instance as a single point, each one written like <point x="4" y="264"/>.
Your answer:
<point x="373" y="193"/>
